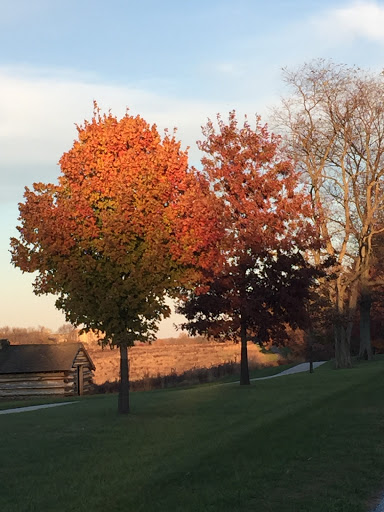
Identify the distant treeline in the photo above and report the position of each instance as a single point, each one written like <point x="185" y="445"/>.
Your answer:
<point x="36" y="335"/>
<point x="67" y="333"/>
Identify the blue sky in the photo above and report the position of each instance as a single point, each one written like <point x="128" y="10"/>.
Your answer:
<point x="175" y="63"/>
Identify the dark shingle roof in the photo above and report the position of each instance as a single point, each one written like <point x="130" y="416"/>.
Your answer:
<point x="40" y="358"/>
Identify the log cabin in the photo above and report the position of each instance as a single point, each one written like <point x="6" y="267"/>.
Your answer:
<point x="63" y="369"/>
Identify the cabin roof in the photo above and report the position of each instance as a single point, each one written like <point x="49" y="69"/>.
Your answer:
<point x="40" y="358"/>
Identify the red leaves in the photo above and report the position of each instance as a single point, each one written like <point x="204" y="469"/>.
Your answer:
<point x="257" y="184"/>
<point x="264" y="280"/>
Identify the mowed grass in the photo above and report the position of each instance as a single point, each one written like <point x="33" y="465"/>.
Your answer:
<point x="254" y="373"/>
<point x="303" y="442"/>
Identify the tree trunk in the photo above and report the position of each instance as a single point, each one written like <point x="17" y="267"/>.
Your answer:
<point x="346" y="309"/>
<point x="124" y="380"/>
<point x="310" y="351"/>
<point x="342" y="346"/>
<point x="365" y="351"/>
<point x="244" y="370"/>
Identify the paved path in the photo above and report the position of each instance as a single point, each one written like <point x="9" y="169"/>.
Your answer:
<point x="380" y="506"/>
<point x="299" y="368"/>
<point x="33" y="408"/>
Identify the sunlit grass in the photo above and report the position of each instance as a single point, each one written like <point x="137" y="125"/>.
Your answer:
<point x="304" y="442"/>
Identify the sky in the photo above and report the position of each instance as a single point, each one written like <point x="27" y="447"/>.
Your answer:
<point x="174" y="63"/>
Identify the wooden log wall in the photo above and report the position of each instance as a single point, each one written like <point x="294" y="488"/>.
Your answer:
<point x="60" y="383"/>
<point x="35" y="384"/>
<point x="82" y="360"/>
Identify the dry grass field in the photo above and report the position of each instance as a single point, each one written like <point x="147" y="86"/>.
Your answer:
<point x="163" y="357"/>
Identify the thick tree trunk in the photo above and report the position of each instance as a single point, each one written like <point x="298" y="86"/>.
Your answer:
<point x="342" y="346"/>
<point x="124" y="380"/>
<point x="346" y="309"/>
<point x="244" y="370"/>
<point x="365" y="351"/>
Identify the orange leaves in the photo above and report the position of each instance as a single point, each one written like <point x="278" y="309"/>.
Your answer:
<point x="126" y="225"/>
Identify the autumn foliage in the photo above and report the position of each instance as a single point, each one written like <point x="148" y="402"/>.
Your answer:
<point x="265" y="280"/>
<point x="129" y="223"/>
<point x="126" y="224"/>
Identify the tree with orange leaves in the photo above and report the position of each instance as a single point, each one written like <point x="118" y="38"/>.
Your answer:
<point x="126" y="225"/>
<point x="265" y="280"/>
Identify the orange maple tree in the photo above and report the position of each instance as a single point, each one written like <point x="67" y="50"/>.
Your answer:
<point x="265" y="280"/>
<point x="127" y="224"/>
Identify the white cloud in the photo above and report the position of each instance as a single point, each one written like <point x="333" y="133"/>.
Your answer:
<point x="43" y="110"/>
<point x="39" y="112"/>
<point x="39" y="109"/>
<point x="360" y="19"/>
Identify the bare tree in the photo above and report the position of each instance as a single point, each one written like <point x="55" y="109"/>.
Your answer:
<point x="70" y="332"/>
<point x="334" y="122"/>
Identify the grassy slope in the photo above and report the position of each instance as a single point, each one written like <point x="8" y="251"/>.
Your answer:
<point x="305" y="443"/>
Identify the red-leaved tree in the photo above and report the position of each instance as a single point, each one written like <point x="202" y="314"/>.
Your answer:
<point x="264" y="281"/>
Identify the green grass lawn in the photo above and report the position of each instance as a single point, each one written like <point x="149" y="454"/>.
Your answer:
<point x="303" y="442"/>
<point x="256" y="373"/>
